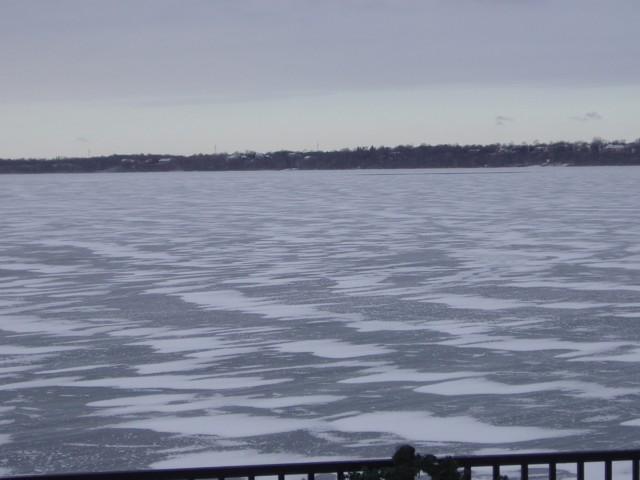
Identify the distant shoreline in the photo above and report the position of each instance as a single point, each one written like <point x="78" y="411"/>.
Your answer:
<point x="596" y="153"/>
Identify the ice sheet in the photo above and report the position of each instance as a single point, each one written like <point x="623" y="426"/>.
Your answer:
<point x="300" y="307"/>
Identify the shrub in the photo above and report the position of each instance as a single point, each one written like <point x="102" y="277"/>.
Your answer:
<point x="407" y="465"/>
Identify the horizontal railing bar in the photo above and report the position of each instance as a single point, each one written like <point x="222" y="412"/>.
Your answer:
<point x="310" y="469"/>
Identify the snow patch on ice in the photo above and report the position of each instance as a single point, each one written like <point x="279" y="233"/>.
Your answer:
<point x="236" y="300"/>
<point x="174" y="403"/>
<point x="39" y="268"/>
<point x="631" y="423"/>
<point x="391" y="374"/>
<point x="182" y="344"/>
<point x="360" y="283"/>
<point x="482" y="386"/>
<point x="223" y="425"/>
<point x="47" y="382"/>
<point x="629" y="357"/>
<point x="330" y="348"/>
<point x="579" y="286"/>
<point x="424" y="427"/>
<point x="453" y="327"/>
<point x="512" y="344"/>
<point x="385" y="326"/>
<point x="176" y="382"/>
<point x="19" y="350"/>
<point x="573" y="305"/>
<point x="33" y="324"/>
<point x="472" y="302"/>
<point x="227" y="458"/>
<point x="76" y="369"/>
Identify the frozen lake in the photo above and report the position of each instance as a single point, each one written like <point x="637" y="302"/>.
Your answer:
<point x="199" y="319"/>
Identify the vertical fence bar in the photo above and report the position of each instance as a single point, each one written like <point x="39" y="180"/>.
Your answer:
<point x="608" y="475"/>
<point x="580" y="470"/>
<point x="311" y="476"/>
<point x="524" y="471"/>
<point x="340" y="475"/>
<point x="467" y="473"/>
<point x="552" y="471"/>
<point x="281" y="476"/>
<point x="496" y="472"/>
<point x="635" y="469"/>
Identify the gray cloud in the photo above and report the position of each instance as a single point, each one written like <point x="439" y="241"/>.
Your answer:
<point x="502" y="120"/>
<point x="588" y="116"/>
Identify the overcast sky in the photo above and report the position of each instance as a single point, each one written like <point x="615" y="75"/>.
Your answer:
<point x="197" y="76"/>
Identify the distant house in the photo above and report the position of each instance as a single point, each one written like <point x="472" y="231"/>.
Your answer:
<point x="165" y="160"/>
<point x="614" y="148"/>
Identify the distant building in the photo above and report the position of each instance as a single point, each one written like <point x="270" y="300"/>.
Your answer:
<point x="614" y="148"/>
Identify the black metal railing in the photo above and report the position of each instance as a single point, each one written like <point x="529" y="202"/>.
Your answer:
<point x="552" y="460"/>
<point x="524" y="461"/>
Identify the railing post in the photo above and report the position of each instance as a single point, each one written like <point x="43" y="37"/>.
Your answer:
<point x="496" y="472"/>
<point x="311" y="476"/>
<point x="281" y="476"/>
<point x="524" y="471"/>
<point x="552" y="471"/>
<point x="635" y="469"/>
<point x="580" y="470"/>
<point x="467" y="472"/>
<point x="608" y="472"/>
<point x="340" y="475"/>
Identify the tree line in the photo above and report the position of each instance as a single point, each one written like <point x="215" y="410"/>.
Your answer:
<point x="596" y="152"/>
